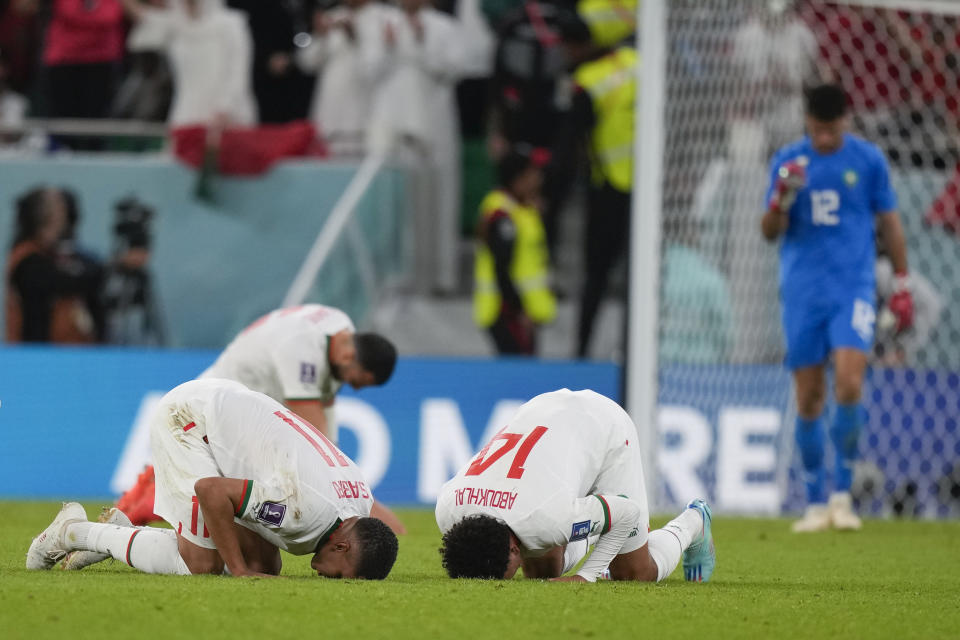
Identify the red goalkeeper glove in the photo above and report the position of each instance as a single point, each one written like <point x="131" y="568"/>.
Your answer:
<point x="791" y="177"/>
<point x="901" y="302"/>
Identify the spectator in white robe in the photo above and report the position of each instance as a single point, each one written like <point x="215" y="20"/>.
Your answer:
<point x="210" y="50"/>
<point x="344" y="89"/>
<point x="417" y="63"/>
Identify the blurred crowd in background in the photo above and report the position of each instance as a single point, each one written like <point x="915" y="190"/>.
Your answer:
<point x="490" y="97"/>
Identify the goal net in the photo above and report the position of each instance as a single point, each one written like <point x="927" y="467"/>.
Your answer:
<point x="734" y="75"/>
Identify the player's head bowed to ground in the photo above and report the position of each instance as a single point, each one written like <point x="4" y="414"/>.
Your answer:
<point x="564" y="474"/>
<point x="480" y="546"/>
<point x="362" y="548"/>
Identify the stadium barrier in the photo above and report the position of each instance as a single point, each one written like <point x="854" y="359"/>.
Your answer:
<point x="73" y="423"/>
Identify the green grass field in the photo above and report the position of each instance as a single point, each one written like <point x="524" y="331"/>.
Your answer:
<point x="893" y="580"/>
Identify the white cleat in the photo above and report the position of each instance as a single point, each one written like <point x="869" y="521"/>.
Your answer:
<point x="815" y="518"/>
<point x="76" y="560"/>
<point x="841" y="512"/>
<point x="48" y="547"/>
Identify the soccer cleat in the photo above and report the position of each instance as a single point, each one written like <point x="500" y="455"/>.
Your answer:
<point x="700" y="558"/>
<point x="76" y="560"/>
<point x="137" y="502"/>
<point x="815" y="518"/>
<point x="48" y="547"/>
<point x="840" y="510"/>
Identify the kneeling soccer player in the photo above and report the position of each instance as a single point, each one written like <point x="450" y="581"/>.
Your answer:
<point x="238" y="477"/>
<point x="565" y="472"/>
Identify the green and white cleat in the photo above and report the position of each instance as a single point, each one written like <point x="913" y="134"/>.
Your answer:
<point x="76" y="560"/>
<point x="48" y="548"/>
<point x="700" y="557"/>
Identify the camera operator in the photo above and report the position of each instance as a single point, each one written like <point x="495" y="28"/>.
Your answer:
<point x="132" y="314"/>
<point x="51" y="291"/>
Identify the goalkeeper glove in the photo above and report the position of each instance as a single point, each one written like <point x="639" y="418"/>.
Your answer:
<point x="901" y="302"/>
<point x="791" y="177"/>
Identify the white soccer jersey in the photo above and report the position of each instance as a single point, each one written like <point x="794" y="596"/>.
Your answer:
<point x="567" y="467"/>
<point x="284" y="354"/>
<point x="298" y="485"/>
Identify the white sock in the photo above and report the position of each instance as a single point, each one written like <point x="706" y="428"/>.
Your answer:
<point x="148" y="549"/>
<point x="667" y="545"/>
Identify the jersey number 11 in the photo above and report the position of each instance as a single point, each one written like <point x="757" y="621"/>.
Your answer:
<point x="482" y="462"/>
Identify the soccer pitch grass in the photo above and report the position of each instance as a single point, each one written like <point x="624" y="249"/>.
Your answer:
<point x="892" y="580"/>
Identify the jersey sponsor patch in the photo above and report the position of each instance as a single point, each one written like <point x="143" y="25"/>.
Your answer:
<point x="308" y="373"/>
<point x="581" y="531"/>
<point x="272" y="513"/>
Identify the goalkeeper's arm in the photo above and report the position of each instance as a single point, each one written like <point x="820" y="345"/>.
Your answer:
<point x="791" y="177"/>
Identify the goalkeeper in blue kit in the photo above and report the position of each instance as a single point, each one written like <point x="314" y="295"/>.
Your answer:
<point x="829" y="194"/>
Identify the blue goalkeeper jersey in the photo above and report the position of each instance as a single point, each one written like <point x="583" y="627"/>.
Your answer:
<point x="828" y="249"/>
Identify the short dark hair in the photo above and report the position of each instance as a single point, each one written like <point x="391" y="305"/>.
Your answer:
<point x="573" y="29"/>
<point x="512" y="166"/>
<point x="376" y="354"/>
<point x="826" y="102"/>
<point x="378" y="548"/>
<point x="476" y="547"/>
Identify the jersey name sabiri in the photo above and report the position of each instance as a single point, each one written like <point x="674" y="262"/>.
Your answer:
<point x="349" y="489"/>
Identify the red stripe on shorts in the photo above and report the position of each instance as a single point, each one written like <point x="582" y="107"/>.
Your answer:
<point x="187" y="427"/>
<point x="194" y="515"/>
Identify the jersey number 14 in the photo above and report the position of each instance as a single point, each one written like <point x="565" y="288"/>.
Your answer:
<point x="482" y="462"/>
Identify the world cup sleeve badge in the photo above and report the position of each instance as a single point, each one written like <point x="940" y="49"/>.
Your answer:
<point x="272" y="513"/>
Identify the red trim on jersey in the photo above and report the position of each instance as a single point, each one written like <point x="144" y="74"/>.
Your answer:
<point x="606" y="514"/>
<point x="187" y="427"/>
<point x="179" y="527"/>
<point x="130" y="544"/>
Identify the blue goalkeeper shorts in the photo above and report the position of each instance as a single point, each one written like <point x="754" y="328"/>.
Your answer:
<point x="815" y="327"/>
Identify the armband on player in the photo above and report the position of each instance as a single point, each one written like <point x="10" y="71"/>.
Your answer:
<point x="901" y="302"/>
<point x="791" y="177"/>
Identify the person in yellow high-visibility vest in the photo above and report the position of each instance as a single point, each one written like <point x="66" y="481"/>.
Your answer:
<point x="610" y="21"/>
<point x="511" y="294"/>
<point x="601" y="119"/>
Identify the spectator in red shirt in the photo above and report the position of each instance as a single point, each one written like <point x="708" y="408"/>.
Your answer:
<point x="20" y="41"/>
<point x="82" y="52"/>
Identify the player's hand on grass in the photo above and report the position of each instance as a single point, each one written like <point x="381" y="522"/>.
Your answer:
<point x="791" y="177"/>
<point x="252" y="574"/>
<point x="569" y="579"/>
<point x="901" y="302"/>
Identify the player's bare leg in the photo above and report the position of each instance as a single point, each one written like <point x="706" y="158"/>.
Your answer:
<point x="689" y="536"/>
<point x="199" y="559"/>
<point x="850" y="365"/>
<point x="636" y="565"/>
<point x="810" y="389"/>
<point x="383" y="512"/>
